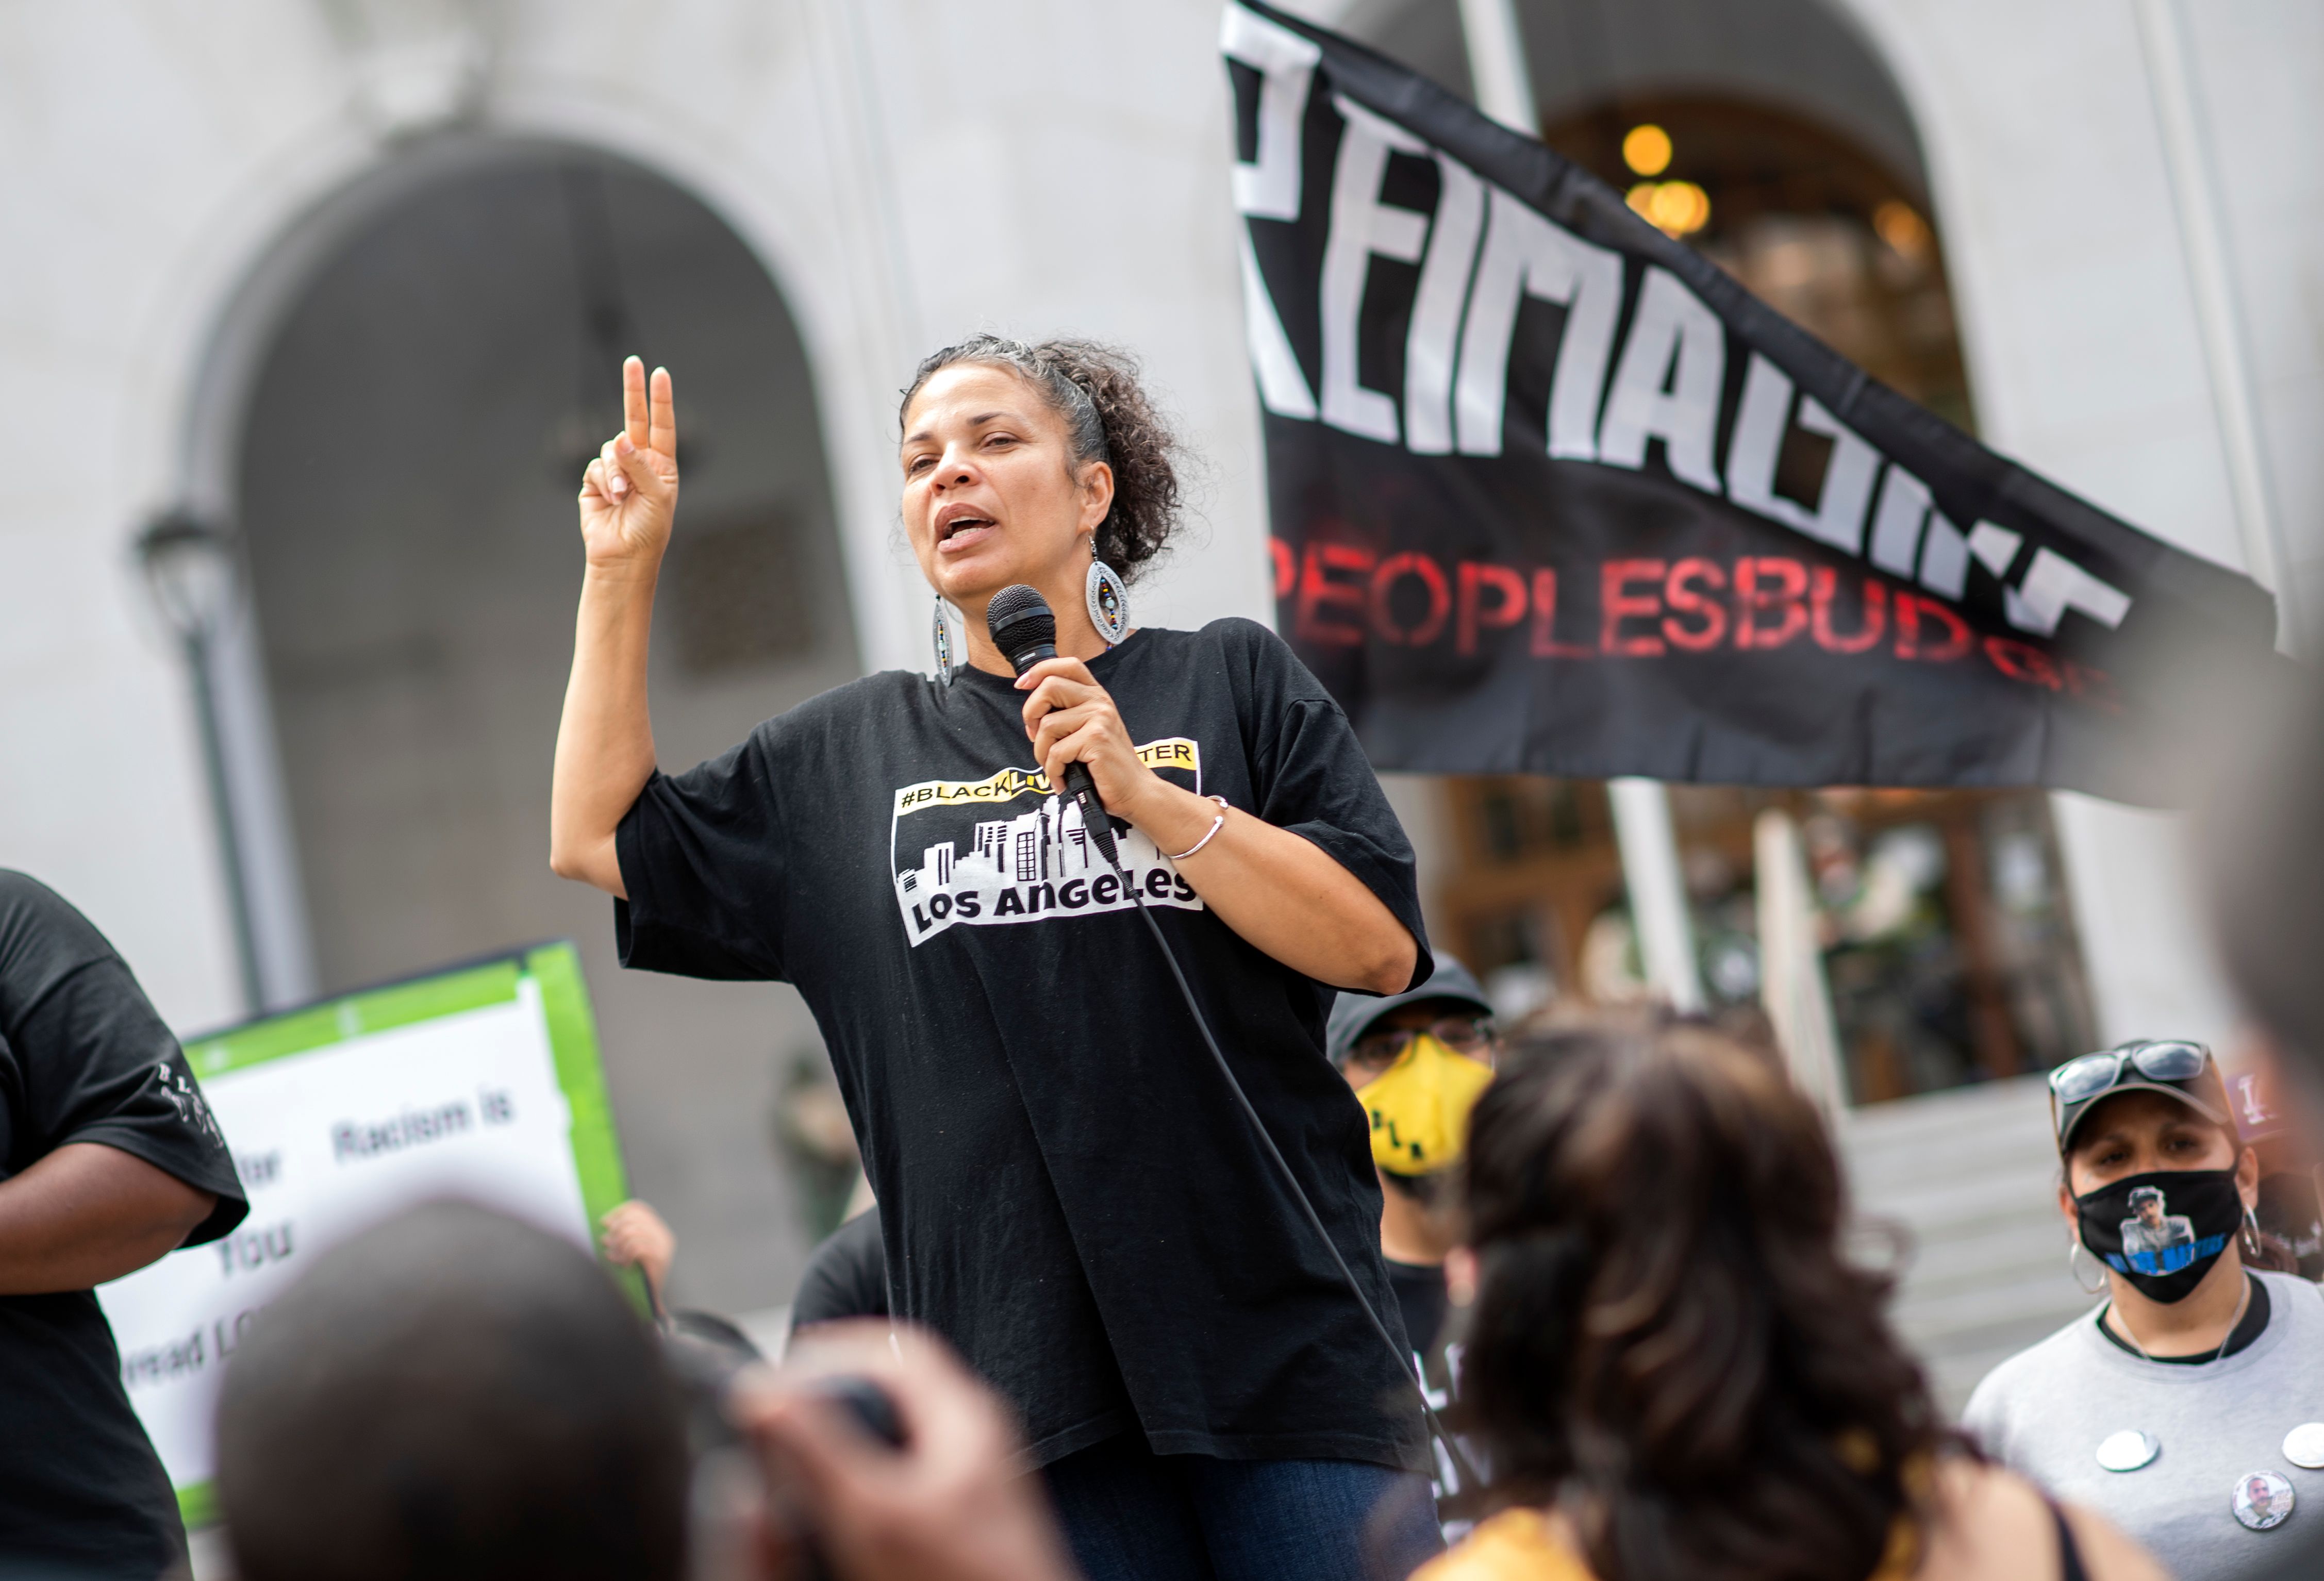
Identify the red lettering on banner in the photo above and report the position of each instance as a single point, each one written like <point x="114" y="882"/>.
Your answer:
<point x="1750" y="598"/>
<point x="1617" y="605"/>
<point x="1316" y="590"/>
<point x="2093" y="686"/>
<point x="1876" y="613"/>
<point x="2021" y="661"/>
<point x="1546" y="643"/>
<point x="1286" y="572"/>
<point x="1910" y="608"/>
<point x="1477" y="576"/>
<point x="1394" y="569"/>
<point x="1683" y="600"/>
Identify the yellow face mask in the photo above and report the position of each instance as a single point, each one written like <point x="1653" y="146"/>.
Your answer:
<point x="1419" y="1107"/>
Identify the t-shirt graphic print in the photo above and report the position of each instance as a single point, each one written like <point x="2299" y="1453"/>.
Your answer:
<point x="973" y="852"/>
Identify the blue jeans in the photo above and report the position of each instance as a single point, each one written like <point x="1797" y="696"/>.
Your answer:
<point x="1132" y="1515"/>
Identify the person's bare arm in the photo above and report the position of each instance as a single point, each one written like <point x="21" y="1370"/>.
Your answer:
<point x="1285" y="894"/>
<point x="636" y="1237"/>
<point x="604" y="741"/>
<point x="1990" y="1521"/>
<point x="87" y="1213"/>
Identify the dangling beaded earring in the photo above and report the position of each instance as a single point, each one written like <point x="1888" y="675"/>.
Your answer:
<point x="944" y="642"/>
<point x="1108" y="600"/>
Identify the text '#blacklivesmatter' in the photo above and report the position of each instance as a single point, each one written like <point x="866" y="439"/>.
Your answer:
<point x="1511" y="426"/>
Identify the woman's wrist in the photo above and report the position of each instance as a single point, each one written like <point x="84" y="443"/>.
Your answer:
<point x="1173" y="817"/>
<point x="629" y="577"/>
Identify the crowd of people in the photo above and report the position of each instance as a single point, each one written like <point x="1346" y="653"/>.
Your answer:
<point x="1381" y="1292"/>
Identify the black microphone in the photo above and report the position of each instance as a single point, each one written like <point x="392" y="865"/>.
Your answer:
<point x="1021" y="627"/>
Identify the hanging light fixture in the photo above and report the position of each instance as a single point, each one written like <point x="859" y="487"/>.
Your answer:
<point x="190" y="570"/>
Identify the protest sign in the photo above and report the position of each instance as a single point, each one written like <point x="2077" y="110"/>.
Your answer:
<point x="480" y="1082"/>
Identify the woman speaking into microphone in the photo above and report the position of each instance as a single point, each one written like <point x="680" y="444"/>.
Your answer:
<point x="1069" y="1190"/>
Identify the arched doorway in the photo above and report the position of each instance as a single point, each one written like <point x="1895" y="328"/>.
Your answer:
<point x="413" y="436"/>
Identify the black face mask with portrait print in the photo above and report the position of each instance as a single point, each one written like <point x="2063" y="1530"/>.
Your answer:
<point x="2161" y="1230"/>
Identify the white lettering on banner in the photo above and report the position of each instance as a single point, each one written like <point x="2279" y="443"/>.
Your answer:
<point x="1268" y="189"/>
<point x="1994" y="547"/>
<point x="1482" y="253"/>
<point x="1896" y="523"/>
<point x="1362" y="226"/>
<point x="1269" y="186"/>
<point x="1944" y="558"/>
<point x="1666" y="385"/>
<point x="1527" y="255"/>
<point x="1281" y="385"/>
<point x="1760" y="424"/>
<point x="1435" y="330"/>
<point x="2055" y="585"/>
<point x="1848" y="477"/>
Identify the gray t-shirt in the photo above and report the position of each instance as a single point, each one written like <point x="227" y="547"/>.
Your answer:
<point x="2044" y="1411"/>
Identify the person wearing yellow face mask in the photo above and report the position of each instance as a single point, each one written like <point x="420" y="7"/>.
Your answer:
<point x="1417" y="1061"/>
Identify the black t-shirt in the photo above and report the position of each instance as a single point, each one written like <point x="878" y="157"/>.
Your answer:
<point x="1067" y="1190"/>
<point x="83" y="1058"/>
<point x="846" y="1276"/>
<point x="1420" y="1296"/>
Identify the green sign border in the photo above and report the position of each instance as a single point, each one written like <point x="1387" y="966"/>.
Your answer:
<point x="555" y="968"/>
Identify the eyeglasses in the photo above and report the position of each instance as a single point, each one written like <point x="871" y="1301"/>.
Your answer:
<point x="1474" y="1036"/>
<point x="2078" y="1081"/>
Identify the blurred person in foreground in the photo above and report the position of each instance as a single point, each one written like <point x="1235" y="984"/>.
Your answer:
<point x="1417" y="1061"/>
<point x="1672" y="1370"/>
<point x="2260" y="845"/>
<point x="2169" y="1402"/>
<point x="109" y="1159"/>
<point x="456" y="1396"/>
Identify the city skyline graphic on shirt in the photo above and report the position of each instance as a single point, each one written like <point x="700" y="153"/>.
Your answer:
<point x="965" y="853"/>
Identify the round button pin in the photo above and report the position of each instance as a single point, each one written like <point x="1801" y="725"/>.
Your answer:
<point x="2128" y="1449"/>
<point x="2304" y="1446"/>
<point x="2262" y="1500"/>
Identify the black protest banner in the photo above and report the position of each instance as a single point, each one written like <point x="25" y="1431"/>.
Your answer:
<point x="1523" y="459"/>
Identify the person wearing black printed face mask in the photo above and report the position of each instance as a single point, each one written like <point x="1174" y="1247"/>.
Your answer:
<point x="2185" y="1389"/>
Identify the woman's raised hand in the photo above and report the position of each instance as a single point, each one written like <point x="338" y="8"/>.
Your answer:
<point x="628" y="495"/>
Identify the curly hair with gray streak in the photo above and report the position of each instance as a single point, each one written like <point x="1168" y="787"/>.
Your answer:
<point x="1108" y="417"/>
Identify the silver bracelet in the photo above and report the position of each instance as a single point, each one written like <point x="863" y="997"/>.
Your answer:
<point x="1217" y="823"/>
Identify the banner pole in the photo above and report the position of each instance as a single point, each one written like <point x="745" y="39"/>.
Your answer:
<point x="1497" y="68"/>
<point x="1642" y="815"/>
<point x="1649" y="842"/>
<point x="1792" y="986"/>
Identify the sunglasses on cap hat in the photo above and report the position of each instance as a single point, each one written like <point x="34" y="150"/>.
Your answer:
<point x="2179" y="1068"/>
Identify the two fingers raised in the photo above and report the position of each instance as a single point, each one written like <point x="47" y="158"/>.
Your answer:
<point x="649" y="409"/>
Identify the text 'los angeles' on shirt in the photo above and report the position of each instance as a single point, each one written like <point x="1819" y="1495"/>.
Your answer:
<point x="1066" y="1189"/>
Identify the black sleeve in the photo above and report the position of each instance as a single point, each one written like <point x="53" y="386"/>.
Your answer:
<point x="702" y="856"/>
<point x="84" y="1057"/>
<point x="846" y="1276"/>
<point x="1311" y="777"/>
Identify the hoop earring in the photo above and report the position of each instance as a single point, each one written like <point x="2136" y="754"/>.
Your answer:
<point x="1108" y="600"/>
<point x="2074" y="1269"/>
<point x="944" y="642"/>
